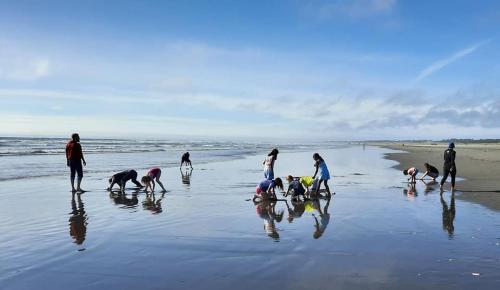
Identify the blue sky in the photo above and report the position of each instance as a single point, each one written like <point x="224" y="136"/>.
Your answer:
<point x="337" y="70"/>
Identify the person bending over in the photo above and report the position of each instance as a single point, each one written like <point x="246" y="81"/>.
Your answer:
<point x="430" y="171"/>
<point x="121" y="179"/>
<point x="412" y="172"/>
<point x="149" y="180"/>
<point x="266" y="189"/>
<point x="295" y="188"/>
<point x="185" y="159"/>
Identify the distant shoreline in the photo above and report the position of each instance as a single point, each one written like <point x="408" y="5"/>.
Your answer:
<point x="477" y="163"/>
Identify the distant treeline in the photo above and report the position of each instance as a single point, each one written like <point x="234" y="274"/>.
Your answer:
<point x="472" y="140"/>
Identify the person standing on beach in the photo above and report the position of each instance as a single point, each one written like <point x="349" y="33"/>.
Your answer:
<point x="74" y="158"/>
<point x="322" y="174"/>
<point x="449" y="167"/>
<point x="269" y="164"/>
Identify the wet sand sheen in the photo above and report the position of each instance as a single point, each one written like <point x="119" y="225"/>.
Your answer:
<point x="203" y="234"/>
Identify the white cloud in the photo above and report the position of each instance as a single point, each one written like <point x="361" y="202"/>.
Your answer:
<point x="20" y="64"/>
<point x="440" y="64"/>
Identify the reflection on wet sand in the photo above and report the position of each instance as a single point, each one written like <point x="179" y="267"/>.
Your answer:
<point x="186" y="176"/>
<point x="266" y="210"/>
<point x="121" y="198"/>
<point x="448" y="215"/>
<point x="78" y="220"/>
<point x="152" y="204"/>
<point x="324" y="218"/>
<point x="297" y="211"/>
<point x="410" y="191"/>
<point x="430" y="185"/>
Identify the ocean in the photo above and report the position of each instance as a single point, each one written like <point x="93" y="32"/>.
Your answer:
<point x="22" y="158"/>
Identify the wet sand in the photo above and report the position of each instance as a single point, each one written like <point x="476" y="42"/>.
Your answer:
<point x="376" y="233"/>
<point x="477" y="164"/>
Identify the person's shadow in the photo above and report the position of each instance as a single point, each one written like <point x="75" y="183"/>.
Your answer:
<point x="449" y="215"/>
<point x="324" y="218"/>
<point x="186" y="176"/>
<point x="78" y="220"/>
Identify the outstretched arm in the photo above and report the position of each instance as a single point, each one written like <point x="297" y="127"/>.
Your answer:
<point x="112" y="184"/>
<point x="425" y="174"/>
<point x="316" y="172"/>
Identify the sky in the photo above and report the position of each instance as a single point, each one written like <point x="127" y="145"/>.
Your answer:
<point x="298" y="69"/>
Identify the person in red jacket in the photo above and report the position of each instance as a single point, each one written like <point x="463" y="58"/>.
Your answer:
<point x="74" y="158"/>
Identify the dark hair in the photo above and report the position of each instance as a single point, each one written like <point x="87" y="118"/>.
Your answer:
<point x="405" y="172"/>
<point x="74" y="136"/>
<point x="316" y="156"/>
<point x="289" y="178"/>
<point x="146" y="179"/>
<point x="451" y="145"/>
<point x="273" y="152"/>
<point x="427" y="165"/>
<point x="279" y="183"/>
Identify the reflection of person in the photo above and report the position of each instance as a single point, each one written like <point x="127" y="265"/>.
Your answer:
<point x="430" y="171"/>
<point x="266" y="189"/>
<point x="149" y="180"/>
<point x="297" y="211"/>
<point x="411" y="191"/>
<point x="121" y="179"/>
<point x="448" y="215"/>
<point x="186" y="176"/>
<point x="321" y="224"/>
<point x="122" y="198"/>
<point x="78" y="220"/>
<point x="429" y="185"/>
<point x="185" y="159"/>
<point x="322" y="173"/>
<point x="74" y="158"/>
<point x="152" y="204"/>
<point x="269" y="164"/>
<point x="449" y="167"/>
<point x="266" y="211"/>
<point x="412" y="172"/>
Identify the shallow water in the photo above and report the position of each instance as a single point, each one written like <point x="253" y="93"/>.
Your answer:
<point x="375" y="233"/>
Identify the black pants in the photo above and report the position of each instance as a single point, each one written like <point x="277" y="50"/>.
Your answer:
<point x="452" y="171"/>
<point x="132" y="175"/>
<point x="75" y="166"/>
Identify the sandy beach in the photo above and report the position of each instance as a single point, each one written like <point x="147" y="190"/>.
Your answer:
<point x="477" y="164"/>
<point x="204" y="233"/>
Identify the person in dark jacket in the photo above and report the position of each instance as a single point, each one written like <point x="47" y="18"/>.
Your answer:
<point x="430" y="171"/>
<point x="121" y="179"/>
<point x="449" y="167"/>
<point x="185" y="159"/>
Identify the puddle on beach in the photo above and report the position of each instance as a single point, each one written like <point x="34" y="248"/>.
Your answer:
<point x="204" y="233"/>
